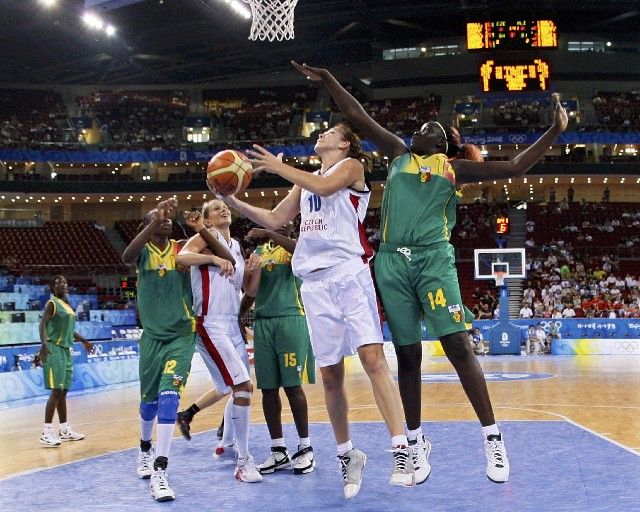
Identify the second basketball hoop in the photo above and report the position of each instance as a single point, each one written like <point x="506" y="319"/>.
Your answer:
<point x="272" y="20"/>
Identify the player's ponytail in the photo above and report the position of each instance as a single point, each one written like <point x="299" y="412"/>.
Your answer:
<point x="455" y="148"/>
<point x="355" y="145"/>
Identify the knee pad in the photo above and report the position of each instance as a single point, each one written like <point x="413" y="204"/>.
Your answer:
<point x="168" y="402"/>
<point x="148" y="410"/>
<point x="242" y="394"/>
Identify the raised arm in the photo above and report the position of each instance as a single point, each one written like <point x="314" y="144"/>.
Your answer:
<point x="387" y="142"/>
<point x="468" y="171"/>
<point x="348" y="173"/>
<point x="289" y="244"/>
<point x="163" y="211"/>
<point x="284" y="212"/>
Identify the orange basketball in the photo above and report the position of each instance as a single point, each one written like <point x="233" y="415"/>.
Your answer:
<point x="229" y="172"/>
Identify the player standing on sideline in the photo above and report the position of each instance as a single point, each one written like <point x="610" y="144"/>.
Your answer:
<point x="281" y="346"/>
<point x="331" y="258"/>
<point x="167" y="343"/>
<point x="57" y="335"/>
<point x="415" y="268"/>
<point x="216" y="293"/>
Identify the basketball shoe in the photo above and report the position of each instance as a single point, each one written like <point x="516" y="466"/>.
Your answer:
<point x="224" y="450"/>
<point x="159" y="486"/>
<point x="278" y="459"/>
<point x="304" y="460"/>
<point x="247" y="471"/>
<point x="497" y="461"/>
<point x="420" y="450"/>
<point x="352" y="464"/>
<point x="48" y="438"/>
<point x="403" y="473"/>
<point x="69" y="435"/>
<point x="184" y="424"/>
<point x="145" y="463"/>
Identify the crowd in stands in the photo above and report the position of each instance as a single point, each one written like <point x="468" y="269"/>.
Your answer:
<point x="30" y="116"/>
<point x="514" y="113"/>
<point x="404" y="116"/>
<point x="618" y="109"/>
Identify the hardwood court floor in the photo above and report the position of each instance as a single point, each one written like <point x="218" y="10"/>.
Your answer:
<point x="597" y="392"/>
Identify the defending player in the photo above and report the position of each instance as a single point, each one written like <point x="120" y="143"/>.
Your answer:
<point x="415" y="268"/>
<point x="57" y="335"/>
<point x="331" y="258"/>
<point x="216" y="293"/>
<point x="282" y="349"/>
<point x="167" y="343"/>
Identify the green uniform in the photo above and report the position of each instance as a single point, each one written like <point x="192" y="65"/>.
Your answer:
<point x="415" y="268"/>
<point x="282" y="349"/>
<point x="58" y="369"/>
<point x="164" y="305"/>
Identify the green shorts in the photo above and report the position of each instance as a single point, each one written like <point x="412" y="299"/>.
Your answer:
<point x="58" y="370"/>
<point x="282" y="352"/>
<point x="164" y="365"/>
<point x="420" y="282"/>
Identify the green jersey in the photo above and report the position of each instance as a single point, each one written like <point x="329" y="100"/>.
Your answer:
<point x="419" y="202"/>
<point x="279" y="291"/>
<point x="164" y="293"/>
<point x="62" y="323"/>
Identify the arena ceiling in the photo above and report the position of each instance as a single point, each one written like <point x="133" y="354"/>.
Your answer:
<point x="195" y="41"/>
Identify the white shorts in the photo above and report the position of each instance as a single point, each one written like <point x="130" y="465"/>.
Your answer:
<point x="341" y="311"/>
<point x="223" y="352"/>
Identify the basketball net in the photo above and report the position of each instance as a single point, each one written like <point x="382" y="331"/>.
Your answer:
<point x="499" y="278"/>
<point x="271" y="19"/>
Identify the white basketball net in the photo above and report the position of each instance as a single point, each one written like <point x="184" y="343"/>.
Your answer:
<point x="272" y="19"/>
<point x="499" y="277"/>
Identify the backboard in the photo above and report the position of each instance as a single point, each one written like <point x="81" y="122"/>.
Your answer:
<point x="508" y="263"/>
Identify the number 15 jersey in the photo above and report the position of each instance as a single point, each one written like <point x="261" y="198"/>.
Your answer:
<point x="331" y="230"/>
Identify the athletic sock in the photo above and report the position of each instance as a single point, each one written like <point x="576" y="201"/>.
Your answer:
<point x="344" y="447"/>
<point x="412" y="435"/>
<point x="240" y="418"/>
<point x="164" y="436"/>
<point x="227" y="435"/>
<point x="400" y="440"/>
<point x="191" y="411"/>
<point x="161" y="462"/>
<point x="47" y="426"/>
<point x="304" y="442"/>
<point x="64" y="426"/>
<point x="490" y="430"/>
<point x="278" y="442"/>
<point x="145" y="446"/>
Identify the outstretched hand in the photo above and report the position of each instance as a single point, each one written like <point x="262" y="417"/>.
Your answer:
<point x="314" y="74"/>
<point x="194" y="220"/>
<point x="560" y="118"/>
<point x="262" y="160"/>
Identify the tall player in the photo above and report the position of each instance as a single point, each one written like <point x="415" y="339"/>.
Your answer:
<point x="167" y="343"/>
<point x="57" y="335"/>
<point x="331" y="257"/>
<point x="281" y="345"/>
<point x="415" y="268"/>
<point x="216" y="302"/>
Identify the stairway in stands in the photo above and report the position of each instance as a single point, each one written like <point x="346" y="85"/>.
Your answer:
<point x="517" y="238"/>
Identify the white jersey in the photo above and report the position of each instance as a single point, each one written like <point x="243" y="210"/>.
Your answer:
<point x="331" y="230"/>
<point x="215" y="295"/>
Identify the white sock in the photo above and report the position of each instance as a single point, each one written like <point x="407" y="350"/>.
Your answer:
<point x="146" y="429"/>
<point x="304" y="442"/>
<point x="240" y="421"/>
<point x="47" y="426"/>
<point x="413" y="435"/>
<point x="344" y="447"/>
<point x="228" y="434"/>
<point x="278" y="442"/>
<point x="163" y="441"/>
<point x="64" y="426"/>
<point x="399" y="441"/>
<point x="490" y="430"/>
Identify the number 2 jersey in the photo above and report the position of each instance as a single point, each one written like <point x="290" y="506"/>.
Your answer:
<point x="215" y="295"/>
<point x="331" y="230"/>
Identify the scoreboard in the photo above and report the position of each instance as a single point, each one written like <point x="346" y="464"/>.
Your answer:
<point x="524" y="75"/>
<point x="511" y="35"/>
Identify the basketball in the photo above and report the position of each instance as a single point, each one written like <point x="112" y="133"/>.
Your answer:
<point x="229" y="172"/>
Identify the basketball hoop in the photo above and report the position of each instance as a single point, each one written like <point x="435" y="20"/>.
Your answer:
<point x="271" y="19"/>
<point x="499" y="277"/>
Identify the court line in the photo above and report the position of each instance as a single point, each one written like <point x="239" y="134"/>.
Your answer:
<point x="579" y="425"/>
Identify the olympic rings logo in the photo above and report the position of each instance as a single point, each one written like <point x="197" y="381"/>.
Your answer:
<point x="630" y="346"/>
<point x="517" y="139"/>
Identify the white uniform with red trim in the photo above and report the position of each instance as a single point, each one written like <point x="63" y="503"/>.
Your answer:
<point x="332" y="259"/>
<point x="216" y="302"/>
